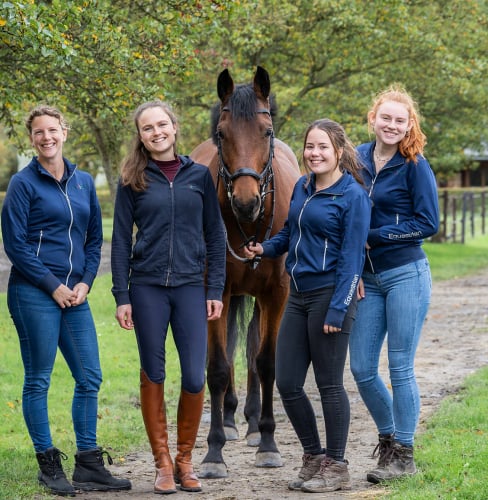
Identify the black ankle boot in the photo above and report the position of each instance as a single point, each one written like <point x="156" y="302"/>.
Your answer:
<point x="52" y="475"/>
<point x="91" y="475"/>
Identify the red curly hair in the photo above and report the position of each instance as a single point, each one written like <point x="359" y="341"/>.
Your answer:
<point x="414" y="141"/>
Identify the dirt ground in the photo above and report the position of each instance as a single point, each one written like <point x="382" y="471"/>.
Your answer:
<point x="454" y="344"/>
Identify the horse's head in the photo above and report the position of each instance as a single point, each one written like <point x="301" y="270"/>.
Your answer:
<point x="245" y="141"/>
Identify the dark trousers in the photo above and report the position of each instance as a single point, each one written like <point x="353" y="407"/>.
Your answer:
<point x="184" y="308"/>
<point x="301" y="342"/>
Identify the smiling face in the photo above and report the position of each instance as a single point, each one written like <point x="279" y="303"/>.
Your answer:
<point x="320" y="156"/>
<point x="47" y="137"/>
<point x="391" y="122"/>
<point x="158" y="133"/>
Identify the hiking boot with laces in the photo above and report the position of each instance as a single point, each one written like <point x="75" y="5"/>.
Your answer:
<point x="397" y="462"/>
<point x="51" y="474"/>
<point x="310" y="466"/>
<point x="90" y="473"/>
<point x="332" y="476"/>
<point x="383" y="452"/>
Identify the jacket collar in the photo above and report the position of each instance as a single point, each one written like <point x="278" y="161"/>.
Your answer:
<point x="69" y="167"/>
<point x="366" y="152"/>
<point x="337" y="188"/>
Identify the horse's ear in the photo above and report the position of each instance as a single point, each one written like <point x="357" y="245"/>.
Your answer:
<point x="262" y="84"/>
<point x="225" y="85"/>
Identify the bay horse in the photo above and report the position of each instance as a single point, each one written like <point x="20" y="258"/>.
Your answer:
<point x="254" y="174"/>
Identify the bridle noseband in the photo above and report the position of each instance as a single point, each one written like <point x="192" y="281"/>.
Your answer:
<point x="265" y="179"/>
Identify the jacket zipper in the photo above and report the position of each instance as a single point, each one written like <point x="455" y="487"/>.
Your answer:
<point x="298" y="242"/>
<point x="171" y="241"/>
<point x="68" y="202"/>
<point x="370" y="192"/>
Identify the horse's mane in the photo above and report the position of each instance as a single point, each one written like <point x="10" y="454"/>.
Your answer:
<point x="242" y="104"/>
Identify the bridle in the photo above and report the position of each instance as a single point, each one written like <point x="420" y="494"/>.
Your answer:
<point x="265" y="179"/>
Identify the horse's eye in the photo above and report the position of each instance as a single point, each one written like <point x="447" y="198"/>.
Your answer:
<point x="268" y="132"/>
<point x="219" y="134"/>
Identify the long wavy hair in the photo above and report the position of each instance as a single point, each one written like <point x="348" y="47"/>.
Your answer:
<point x="339" y="139"/>
<point x="415" y="140"/>
<point x="134" y="164"/>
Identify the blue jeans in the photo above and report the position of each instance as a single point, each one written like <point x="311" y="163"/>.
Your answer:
<point x="156" y="307"/>
<point x="301" y="342"/>
<point x="395" y="306"/>
<point x="42" y="326"/>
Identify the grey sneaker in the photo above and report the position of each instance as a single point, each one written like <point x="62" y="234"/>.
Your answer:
<point x="310" y="466"/>
<point x="397" y="462"/>
<point x="332" y="476"/>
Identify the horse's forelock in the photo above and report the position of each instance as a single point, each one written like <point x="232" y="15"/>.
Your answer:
<point x="242" y="104"/>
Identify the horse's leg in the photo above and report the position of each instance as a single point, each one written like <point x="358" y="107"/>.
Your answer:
<point x="218" y="376"/>
<point x="267" y="454"/>
<point x="252" y="408"/>
<point x="235" y="316"/>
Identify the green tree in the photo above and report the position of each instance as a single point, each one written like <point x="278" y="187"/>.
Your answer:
<point x="328" y="58"/>
<point x="98" y="60"/>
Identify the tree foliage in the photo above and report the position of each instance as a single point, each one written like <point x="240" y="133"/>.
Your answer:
<point x="99" y="59"/>
<point x="328" y="58"/>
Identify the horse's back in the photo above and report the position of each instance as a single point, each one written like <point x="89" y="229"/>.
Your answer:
<point x="205" y="154"/>
<point x="289" y="169"/>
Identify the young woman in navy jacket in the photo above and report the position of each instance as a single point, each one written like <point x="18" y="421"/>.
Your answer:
<point x="52" y="233"/>
<point x="325" y="236"/>
<point x="171" y="273"/>
<point x="397" y="279"/>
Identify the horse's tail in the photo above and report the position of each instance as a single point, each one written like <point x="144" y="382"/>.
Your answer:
<point x="243" y="312"/>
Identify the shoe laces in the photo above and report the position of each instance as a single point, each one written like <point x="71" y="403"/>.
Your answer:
<point x="383" y="449"/>
<point x="54" y="465"/>
<point x="308" y="463"/>
<point x="109" y="458"/>
<point x="326" y="462"/>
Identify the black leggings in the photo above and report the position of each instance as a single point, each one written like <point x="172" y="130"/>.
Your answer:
<point x="301" y="341"/>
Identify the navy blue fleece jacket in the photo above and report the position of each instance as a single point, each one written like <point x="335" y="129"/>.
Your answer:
<point x="405" y="209"/>
<point x="325" y="237"/>
<point x="52" y="230"/>
<point x="180" y="234"/>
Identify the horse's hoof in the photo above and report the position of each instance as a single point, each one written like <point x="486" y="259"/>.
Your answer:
<point x="231" y="434"/>
<point x="253" y="439"/>
<point x="212" y="470"/>
<point x="268" y="459"/>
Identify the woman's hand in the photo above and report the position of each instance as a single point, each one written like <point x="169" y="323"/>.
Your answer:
<point x="253" y="249"/>
<point x="331" y="329"/>
<point x="214" y="309"/>
<point x="123" y="315"/>
<point x="81" y="291"/>
<point x="64" y="296"/>
<point x="360" y="290"/>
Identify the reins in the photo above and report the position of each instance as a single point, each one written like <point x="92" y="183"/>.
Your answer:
<point x="265" y="178"/>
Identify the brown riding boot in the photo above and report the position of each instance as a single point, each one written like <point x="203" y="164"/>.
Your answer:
<point x="154" y="416"/>
<point x="190" y="408"/>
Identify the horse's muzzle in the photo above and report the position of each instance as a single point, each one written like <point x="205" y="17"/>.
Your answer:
<point x="246" y="211"/>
